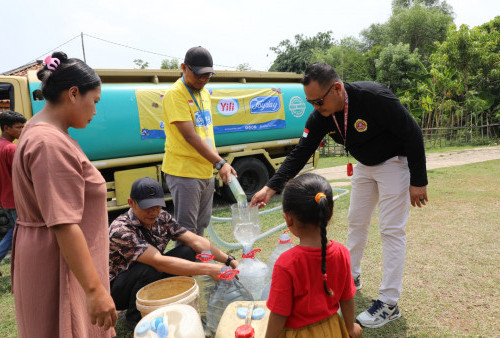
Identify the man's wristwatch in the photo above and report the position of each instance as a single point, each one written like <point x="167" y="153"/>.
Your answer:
<point x="219" y="164"/>
<point x="229" y="259"/>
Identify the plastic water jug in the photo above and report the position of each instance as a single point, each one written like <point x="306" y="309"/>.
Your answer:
<point x="246" y="225"/>
<point x="284" y="243"/>
<point x="238" y="192"/>
<point x="253" y="273"/>
<point x="205" y="282"/>
<point x="227" y="290"/>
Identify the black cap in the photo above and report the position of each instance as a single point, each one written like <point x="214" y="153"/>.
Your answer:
<point x="199" y="60"/>
<point x="148" y="193"/>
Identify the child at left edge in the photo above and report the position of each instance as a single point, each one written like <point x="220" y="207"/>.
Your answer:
<point x="311" y="280"/>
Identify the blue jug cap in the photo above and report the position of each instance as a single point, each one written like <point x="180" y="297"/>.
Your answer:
<point x="162" y="331"/>
<point x="258" y="313"/>
<point x="242" y="312"/>
<point x="142" y="328"/>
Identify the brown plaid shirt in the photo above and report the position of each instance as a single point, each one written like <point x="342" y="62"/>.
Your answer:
<point x="127" y="241"/>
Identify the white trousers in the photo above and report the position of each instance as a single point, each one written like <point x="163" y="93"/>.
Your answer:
<point x="388" y="184"/>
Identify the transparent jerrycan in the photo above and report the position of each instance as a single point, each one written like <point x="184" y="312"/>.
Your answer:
<point x="206" y="283"/>
<point x="226" y="291"/>
<point x="253" y="273"/>
<point x="284" y="244"/>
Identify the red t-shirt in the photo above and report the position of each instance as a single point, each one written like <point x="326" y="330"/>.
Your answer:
<point x="297" y="284"/>
<point x="7" y="150"/>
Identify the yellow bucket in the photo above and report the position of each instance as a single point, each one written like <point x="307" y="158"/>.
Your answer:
<point x="173" y="290"/>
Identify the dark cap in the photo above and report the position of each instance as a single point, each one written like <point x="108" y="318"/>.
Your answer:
<point x="199" y="60"/>
<point x="148" y="193"/>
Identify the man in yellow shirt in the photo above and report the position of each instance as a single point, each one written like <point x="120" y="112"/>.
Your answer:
<point x="190" y="153"/>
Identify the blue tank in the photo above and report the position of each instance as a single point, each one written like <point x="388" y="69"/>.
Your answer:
<point x="129" y="116"/>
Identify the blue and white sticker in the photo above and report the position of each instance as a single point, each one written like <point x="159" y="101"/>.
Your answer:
<point x="297" y="106"/>
<point x="265" y="104"/>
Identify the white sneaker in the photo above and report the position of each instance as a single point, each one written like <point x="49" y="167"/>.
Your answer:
<point x="378" y="315"/>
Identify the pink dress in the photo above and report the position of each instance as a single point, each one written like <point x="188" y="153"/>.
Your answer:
<point x="55" y="183"/>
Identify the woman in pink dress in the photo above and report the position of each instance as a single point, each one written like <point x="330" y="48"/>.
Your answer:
<point x="61" y="247"/>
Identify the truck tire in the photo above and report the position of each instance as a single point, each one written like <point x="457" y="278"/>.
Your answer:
<point x="252" y="175"/>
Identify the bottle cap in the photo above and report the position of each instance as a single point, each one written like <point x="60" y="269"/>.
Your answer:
<point x="250" y="254"/>
<point x="285" y="238"/>
<point x="258" y="313"/>
<point x="142" y="328"/>
<point x="162" y="331"/>
<point x="244" y="331"/>
<point x="205" y="256"/>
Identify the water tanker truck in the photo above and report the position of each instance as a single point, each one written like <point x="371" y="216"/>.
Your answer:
<point x="258" y="118"/>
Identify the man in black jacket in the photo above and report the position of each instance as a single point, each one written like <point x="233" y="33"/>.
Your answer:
<point x="376" y="129"/>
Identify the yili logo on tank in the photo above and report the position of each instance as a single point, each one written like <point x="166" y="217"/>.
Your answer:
<point x="228" y="106"/>
<point x="265" y="104"/>
<point x="361" y="125"/>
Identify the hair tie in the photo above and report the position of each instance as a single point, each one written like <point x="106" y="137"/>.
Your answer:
<point x="52" y="63"/>
<point x="325" y="276"/>
<point x="319" y="196"/>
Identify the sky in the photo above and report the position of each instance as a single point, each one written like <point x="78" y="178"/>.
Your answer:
<point x="235" y="32"/>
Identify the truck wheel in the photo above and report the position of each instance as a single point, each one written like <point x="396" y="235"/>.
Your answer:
<point x="252" y="175"/>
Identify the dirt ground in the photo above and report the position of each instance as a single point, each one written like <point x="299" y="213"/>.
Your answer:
<point x="434" y="161"/>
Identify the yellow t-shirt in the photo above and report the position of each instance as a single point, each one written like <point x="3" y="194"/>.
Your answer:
<point x="181" y="159"/>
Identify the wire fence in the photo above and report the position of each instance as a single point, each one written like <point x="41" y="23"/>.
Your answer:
<point x="435" y="138"/>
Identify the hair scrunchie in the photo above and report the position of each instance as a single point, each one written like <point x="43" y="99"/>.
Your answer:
<point x="319" y="196"/>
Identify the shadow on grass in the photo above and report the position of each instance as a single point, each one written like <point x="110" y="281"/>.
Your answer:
<point x="397" y="328"/>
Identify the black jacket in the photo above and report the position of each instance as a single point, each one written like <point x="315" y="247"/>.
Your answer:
<point x="379" y="127"/>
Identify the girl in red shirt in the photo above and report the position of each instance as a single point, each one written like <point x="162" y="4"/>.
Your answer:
<point x="311" y="280"/>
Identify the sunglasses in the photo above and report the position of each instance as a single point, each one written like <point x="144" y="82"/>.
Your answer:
<point x="319" y="102"/>
<point x="206" y="76"/>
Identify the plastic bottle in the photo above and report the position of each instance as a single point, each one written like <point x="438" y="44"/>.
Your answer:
<point x="227" y="290"/>
<point x="206" y="284"/>
<point x="253" y="273"/>
<point x="284" y="243"/>
<point x="238" y="192"/>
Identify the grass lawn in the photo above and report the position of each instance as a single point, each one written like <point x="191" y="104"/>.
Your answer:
<point x="451" y="281"/>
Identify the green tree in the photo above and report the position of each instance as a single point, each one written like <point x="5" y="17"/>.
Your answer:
<point x="419" y="27"/>
<point x="295" y="56"/>
<point x="170" y="64"/>
<point x="393" y="64"/>
<point x="141" y="64"/>
<point x="418" y="23"/>
<point x="347" y="58"/>
<point x="442" y="6"/>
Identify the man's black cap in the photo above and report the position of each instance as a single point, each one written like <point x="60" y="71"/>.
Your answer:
<point x="199" y="60"/>
<point x="148" y="193"/>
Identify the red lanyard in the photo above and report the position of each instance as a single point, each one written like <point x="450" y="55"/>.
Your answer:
<point x="344" y="137"/>
<point x="346" y="110"/>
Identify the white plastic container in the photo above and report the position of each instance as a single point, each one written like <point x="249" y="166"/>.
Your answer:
<point x="182" y="321"/>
